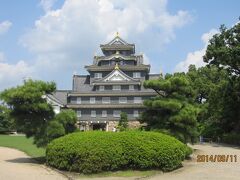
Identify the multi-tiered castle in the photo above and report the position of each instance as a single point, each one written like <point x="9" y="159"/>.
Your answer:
<point x="114" y="85"/>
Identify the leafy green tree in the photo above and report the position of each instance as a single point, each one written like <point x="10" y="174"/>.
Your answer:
<point x="68" y="119"/>
<point x="54" y="130"/>
<point x="6" y="122"/>
<point x="173" y="110"/>
<point x="29" y="109"/>
<point x="62" y="124"/>
<point x="223" y="52"/>
<point x="123" y="122"/>
<point x="217" y="85"/>
<point x="206" y="82"/>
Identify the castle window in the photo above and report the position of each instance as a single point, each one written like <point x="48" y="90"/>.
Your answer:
<point x="73" y="100"/>
<point x="105" y="100"/>
<point x="136" y="75"/>
<point x="93" y="113"/>
<point x="131" y="87"/>
<point x="92" y="100"/>
<point x="122" y="99"/>
<point x="116" y="113"/>
<point x="121" y="63"/>
<point x="135" y="113"/>
<point x="97" y="75"/>
<point x="137" y="100"/>
<point x="112" y="63"/>
<point x="79" y="113"/>
<point x="104" y="113"/>
<point x="116" y="87"/>
<point x="101" y="88"/>
<point x="79" y="100"/>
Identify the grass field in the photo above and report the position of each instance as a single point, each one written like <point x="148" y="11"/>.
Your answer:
<point x="23" y="144"/>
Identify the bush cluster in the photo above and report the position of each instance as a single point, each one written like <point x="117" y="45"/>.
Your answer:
<point x="93" y="152"/>
<point x="231" y="138"/>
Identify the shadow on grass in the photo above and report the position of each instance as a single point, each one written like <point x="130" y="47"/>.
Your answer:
<point x="118" y="173"/>
<point x="36" y="160"/>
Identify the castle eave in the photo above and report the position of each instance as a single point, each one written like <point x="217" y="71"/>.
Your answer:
<point x="104" y="106"/>
<point x="122" y="67"/>
<point x="117" y="83"/>
<point x="111" y="93"/>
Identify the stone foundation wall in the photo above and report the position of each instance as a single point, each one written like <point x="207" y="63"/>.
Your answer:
<point x="132" y="124"/>
<point x="111" y="125"/>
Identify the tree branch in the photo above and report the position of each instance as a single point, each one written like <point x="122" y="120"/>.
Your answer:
<point x="158" y="92"/>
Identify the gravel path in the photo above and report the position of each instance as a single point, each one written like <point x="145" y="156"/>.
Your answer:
<point x="193" y="170"/>
<point x="15" y="165"/>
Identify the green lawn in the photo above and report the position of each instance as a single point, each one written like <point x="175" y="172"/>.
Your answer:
<point x="23" y="144"/>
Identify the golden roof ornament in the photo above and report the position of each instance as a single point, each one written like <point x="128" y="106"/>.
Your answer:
<point x="117" y="34"/>
<point x="116" y="66"/>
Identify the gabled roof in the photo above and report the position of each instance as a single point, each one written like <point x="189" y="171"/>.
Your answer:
<point x="81" y="83"/>
<point x="53" y="100"/>
<point x="58" y="97"/>
<point x="118" y="44"/>
<point x="117" y="77"/>
<point x="117" y="55"/>
<point x="117" y="41"/>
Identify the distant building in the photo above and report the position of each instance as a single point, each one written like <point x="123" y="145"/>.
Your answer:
<point x="114" y="85"/>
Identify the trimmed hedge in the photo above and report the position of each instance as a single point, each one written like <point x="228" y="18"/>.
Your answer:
<point x="96" y="151"/>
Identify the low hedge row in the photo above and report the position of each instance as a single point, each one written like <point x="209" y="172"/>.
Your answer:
<point x="93" y="152"/>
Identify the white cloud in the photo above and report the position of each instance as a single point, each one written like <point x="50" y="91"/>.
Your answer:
<point x="5" y="26"/>
<point x="146" y="59"/>
<point x="196" y="57"/>
<point x="207" y="36"/>
<point x="13" y="74"/>
<point x="65" y="39"/>
<point x="47" y="4"/>
<point x="2" y="56"/>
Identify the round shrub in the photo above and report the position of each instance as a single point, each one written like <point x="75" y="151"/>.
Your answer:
<point x="96" y="151"/>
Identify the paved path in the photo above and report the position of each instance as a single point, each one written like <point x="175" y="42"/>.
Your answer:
<point x="15" y="165"/>
<point x="194" y="170"/>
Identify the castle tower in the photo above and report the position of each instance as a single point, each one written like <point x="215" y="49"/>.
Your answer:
<point x="114" y="85"/>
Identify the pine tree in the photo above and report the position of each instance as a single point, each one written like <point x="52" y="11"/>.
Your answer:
<point x="173" y="111"/>
<point x="123" y="122"/>
<point x="29" y="109"/>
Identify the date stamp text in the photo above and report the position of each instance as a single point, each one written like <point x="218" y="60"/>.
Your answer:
<point x="217" y="158"/>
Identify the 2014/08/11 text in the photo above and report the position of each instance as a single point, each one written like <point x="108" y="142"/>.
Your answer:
<point x="216" y="158"/>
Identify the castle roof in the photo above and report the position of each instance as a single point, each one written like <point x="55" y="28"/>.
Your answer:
<point x="118" y="77"/>
<point x="117" y="44"/>
<point x="139" y="67"/>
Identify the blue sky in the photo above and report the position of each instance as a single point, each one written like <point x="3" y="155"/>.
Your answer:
<point x="53" y="39"/>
